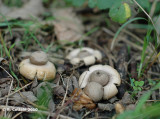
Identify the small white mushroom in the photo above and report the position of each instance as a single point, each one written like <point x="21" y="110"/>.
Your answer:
<point x="85" y="54"/>
<point x="37" y="66"/>
<point x="104" y="75"/>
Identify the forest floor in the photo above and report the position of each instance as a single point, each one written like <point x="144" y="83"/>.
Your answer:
<point x="57" y="29"/>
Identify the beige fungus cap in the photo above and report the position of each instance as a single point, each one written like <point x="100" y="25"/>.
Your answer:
<point x="37" y="66"/>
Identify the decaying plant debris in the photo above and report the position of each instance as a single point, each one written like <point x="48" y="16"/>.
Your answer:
<point x="37" y="26"/>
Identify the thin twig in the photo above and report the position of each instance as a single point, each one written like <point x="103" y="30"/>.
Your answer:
<point x="154" y="73"/>
<point x="124" y="39"/>
<point x="15" y="116"/>
<point x="63" y="105"/>
<point x="153" y="62"/>
<point x="9" y="88"/>
<point x="66" y="92"/>
<point x="33" y="104"/>
<point x="17" y="90"/>
<point x="133" y="35"/>
<point x="7" y="97"/>
<point x="148" y="17"/>
<point x="86" y="114"/>
<point x="6" y="72"/>
<point x="104" y="51"/>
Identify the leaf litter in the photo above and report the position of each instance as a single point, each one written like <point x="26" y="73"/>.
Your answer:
<point x="62" y="97"/>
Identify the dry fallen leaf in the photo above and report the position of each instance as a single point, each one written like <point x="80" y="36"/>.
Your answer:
<point x="3" y="61"/>
<point x="31" y="9"/>
<point x="68" y="83"/>
<point x="59" y="90"/>
<point x="71" y="83"/>
<point x="75" y="82"/>
<point x="16" y="99"/>
<point x="81" y="100"/>
<point x="107" y="107"/>
<point x="130" y="107"/>
<point x="126" y="99"/>
<point x="4" y="86"/>
<point x="68" y="27"/>
<point x="119" y="108"/>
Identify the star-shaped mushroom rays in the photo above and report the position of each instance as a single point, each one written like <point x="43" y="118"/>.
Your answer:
<point x="104" y="75"/>
<point x="87" y="55"/>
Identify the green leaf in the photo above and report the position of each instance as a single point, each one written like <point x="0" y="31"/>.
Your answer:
<point x="119" y="12"/>
<point x="139" y="88"/>
<point x="141" y="83"/>
<point x="157" y="9"/>
<point x="132" y="81"/>
<point x="135" y="88"/>
<point x="104" y="4"/>
<point x="144" y="3"/>
<point x="143" y="55"/>
<point x="78" y="2"/>
<point x="92" y="3"/>
<point x="136" y="83"/>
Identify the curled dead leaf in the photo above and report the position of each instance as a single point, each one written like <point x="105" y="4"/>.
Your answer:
<point x="3" y="61"/>
<point x="32" y="8"/>
<point x="81" y="100"/>
<point x="68" y="27"/>
<point x="119" y="108"/>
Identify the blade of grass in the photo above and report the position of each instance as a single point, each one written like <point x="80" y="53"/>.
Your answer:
<point x="12" y="46"/>
<point x="9" y="27"/>
<point x="87" y="34"/>
<point x="34" y="37"/>
<point x="158" y="41"/>
<point x="13" y="74"/>
<point x="146" y="41"/>
<point x="120" y="29"/>
<point x="140" y="26"/>
<point x="16" y="23"/>
<point x="1" y="50"/>
<point x="44" y="96"/>
<point x="4" y="46"/>
<point x="47" y="49"/>
<point x="142" y="101"/>
<point x="153" y="61"/>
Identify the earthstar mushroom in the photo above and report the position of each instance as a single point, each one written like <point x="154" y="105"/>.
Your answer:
<point x="37" y="66"/>
<point x="85" y="54"/>
<point x="104" y="75"/>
